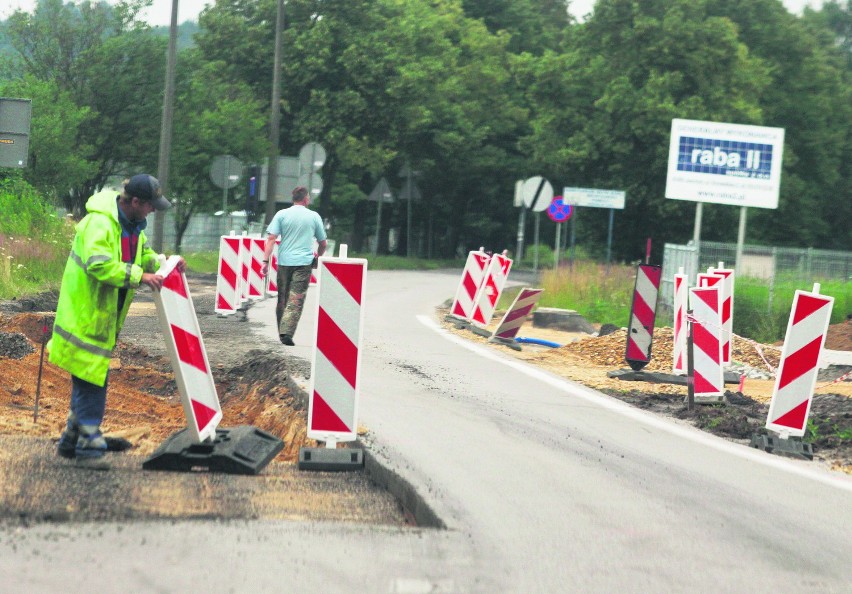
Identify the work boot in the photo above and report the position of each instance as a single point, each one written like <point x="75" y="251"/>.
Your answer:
<point x="90" y="443"/>
<point x="287" y="340"/>
<point x="66" y="447"/>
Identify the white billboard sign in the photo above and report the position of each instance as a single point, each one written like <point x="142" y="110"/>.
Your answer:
<point x="593" y="198"/>
<point x="723" y="163"/>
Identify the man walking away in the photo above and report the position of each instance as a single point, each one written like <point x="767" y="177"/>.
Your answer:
<point x="110" y="258"/>
<point x="297" y="227"/>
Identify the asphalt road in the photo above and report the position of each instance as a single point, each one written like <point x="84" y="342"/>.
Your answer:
<point x="542" y="486"/>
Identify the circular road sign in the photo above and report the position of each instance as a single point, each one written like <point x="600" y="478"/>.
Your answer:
<point x="558" y="211"/>
<point x="226" y="171"/>
<point x="537" y="193"/>
<point x="311" y="157"/>
<point x="313" y="182"/>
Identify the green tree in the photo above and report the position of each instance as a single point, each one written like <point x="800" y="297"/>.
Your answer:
<point x="53" y="165"/>
<point x="102" y="59"/>
<point x="216" y="116"/>
<point x="602" y="110"/>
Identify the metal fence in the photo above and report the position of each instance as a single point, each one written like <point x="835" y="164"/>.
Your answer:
<point x="805" y="265"/>
<point x="204" y="230"/>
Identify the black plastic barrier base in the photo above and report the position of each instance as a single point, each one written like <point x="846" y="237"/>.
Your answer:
<point x="331" y="459"/>
<point x="792" y="446"/>
<point x="512" y="344"/>
<point x="661" y="378"/>
<point x="241" y="450"/>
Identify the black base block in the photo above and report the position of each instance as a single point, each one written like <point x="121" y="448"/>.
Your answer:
<point x="512" y="344"/>
<point x="792" y="446"/>
<point x="661" y="378"/>
<point x="240" y="450"/>
<point x="480" y="331"/>
<point x="331" y="459"/>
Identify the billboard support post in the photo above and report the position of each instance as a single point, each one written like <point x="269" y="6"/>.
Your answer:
<point x="741" y="237"/>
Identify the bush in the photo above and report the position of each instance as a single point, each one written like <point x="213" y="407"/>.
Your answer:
<point x="34" y="242"/>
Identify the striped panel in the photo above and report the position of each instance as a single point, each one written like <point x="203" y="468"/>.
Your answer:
<point x="799" y="366"/>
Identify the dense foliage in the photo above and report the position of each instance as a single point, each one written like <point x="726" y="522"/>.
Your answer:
<point x="473" y="94"/>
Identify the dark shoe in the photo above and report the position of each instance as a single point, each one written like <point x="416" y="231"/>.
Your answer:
<point x="66" y="451"/>
<point x="91" y="463"/>
<point x="286" y="339"/>
<point x="117" y="444"/>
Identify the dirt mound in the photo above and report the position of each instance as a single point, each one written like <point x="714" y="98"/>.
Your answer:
<point x="14" y="345"/>
<point x="609" y="351"/>
<point x="839" y="337"/>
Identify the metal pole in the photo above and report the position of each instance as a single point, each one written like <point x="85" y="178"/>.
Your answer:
<point x="274" y="117"/>
<point x="378" y="227"/>
<point x="741" y="237"/>
<point x="40" y="367"/>
<point x="557" y="245"/>
<point x="166" y="126"/>
<point x="410" y="199"/>
<point x="535" y="259"/>
<point x="522" y="221"/>
<point x="571" y="253"/>
<point x="609" y="237"/>
<point x="690" y="364"/>
<point x="696" y="232"/>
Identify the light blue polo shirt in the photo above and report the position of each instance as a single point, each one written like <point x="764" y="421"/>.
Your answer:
<point x="297" y="227"/>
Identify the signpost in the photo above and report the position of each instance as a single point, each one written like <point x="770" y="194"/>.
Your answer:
<point x="590" y="197"/>
<point x="381" y="193"/>
<point x="558" y="212"/>
<point x="410" y="193"/>
<point x="225" y="172"/>
<point x="311" y="159"/>
<point x="724" y="163"/>
<point x="536" y="194"/>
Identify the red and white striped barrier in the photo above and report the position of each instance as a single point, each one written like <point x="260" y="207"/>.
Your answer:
<point x="797" y="371"/>
<point x="491" y="289"/>
<point x="272" y="271"/>
<point x="255" y="278"/>
<point x="329" y="253"/>
<point x="708" y="375"/>
<point x="187" y="353"/>
<point x="517" y="313"/>
<point x="228" y="280"/>
<point x="335" y="369"/>
<point x="713" y="279"/>
<point x="727" y="309"/>
<point x="251" y="260"/>
<point x="643" y="314"/>
<point x="471" y="279"/>
<point x="681" y="285"/>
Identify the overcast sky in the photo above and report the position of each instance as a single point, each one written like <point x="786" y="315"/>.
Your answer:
<point x="161" y="10"/>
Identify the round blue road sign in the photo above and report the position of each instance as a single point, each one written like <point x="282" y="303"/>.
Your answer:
<point x="558" y="211"/>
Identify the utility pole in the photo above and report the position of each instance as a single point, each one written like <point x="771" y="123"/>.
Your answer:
<point x="274" y="118"/>
<point x="166" y="126"/>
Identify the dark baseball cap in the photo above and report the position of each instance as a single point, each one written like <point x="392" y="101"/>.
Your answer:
<point x="147" y="188"/>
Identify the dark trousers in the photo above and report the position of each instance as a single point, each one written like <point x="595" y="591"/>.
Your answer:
<point x="292" y="287"/>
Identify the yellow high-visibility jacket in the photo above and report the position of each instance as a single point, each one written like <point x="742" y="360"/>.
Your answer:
<point x="87" y="321"/>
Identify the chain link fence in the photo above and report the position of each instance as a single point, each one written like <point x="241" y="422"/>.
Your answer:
<point x="801" y="265"/>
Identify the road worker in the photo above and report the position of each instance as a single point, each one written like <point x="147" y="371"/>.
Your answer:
<point x="110" y="258"/>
